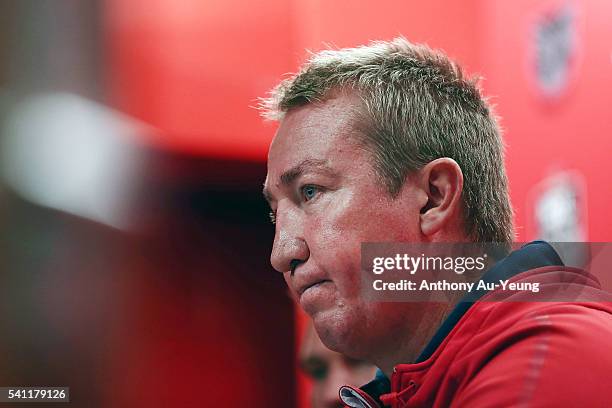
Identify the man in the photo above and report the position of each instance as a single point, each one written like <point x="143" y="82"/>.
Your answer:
<point x="329" y="370"/>
<point x="391" y="143"/>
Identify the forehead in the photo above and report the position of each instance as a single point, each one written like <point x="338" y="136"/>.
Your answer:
<point x="318" y="131"/>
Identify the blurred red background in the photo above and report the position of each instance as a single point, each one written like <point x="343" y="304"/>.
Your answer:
<point x="207" y="62"/>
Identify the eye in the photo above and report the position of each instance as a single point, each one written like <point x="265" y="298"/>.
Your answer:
<point x="309" y="192"/>
<point x="315" y="368"/>
<point x="272" y="215"/>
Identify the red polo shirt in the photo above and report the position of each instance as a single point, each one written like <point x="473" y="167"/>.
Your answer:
<point x="552" y="349"/>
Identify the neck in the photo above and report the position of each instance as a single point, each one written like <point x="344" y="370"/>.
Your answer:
<point x="404" y="349"/>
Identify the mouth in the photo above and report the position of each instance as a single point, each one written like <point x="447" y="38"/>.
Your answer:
<point x="311" y="286"/>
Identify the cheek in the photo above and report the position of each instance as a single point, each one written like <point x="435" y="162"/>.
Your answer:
<point x="336" y="248"/>
<point x="341" y="220"/>
<point x="353" y="219"/>
<point x="335" y="235"/>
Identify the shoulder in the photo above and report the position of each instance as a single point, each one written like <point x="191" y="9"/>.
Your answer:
<point x="539" y="353"/>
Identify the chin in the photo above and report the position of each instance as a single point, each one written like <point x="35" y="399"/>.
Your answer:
<point x="341" y="331"/>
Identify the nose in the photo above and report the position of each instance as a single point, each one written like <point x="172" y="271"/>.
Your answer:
<point x="289" y="248"/>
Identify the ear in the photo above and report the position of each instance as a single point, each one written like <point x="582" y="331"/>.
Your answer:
<point x="442" y="182"/>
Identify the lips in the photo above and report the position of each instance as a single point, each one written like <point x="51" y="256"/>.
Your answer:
<point x="301" y="292"/>
<point x="304" y="280"/>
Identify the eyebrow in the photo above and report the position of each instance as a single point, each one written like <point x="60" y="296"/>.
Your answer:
<point x="289" y="176"/>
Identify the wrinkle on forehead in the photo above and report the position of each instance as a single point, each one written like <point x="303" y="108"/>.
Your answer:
<point x="338" y="116"/>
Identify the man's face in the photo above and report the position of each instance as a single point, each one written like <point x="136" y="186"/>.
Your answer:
<point x="327" y="200"/>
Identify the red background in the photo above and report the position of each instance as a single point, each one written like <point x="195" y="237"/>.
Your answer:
<point x="195" y="69"/>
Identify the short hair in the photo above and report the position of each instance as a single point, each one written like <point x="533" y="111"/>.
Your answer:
<point x="417" y="106"/>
